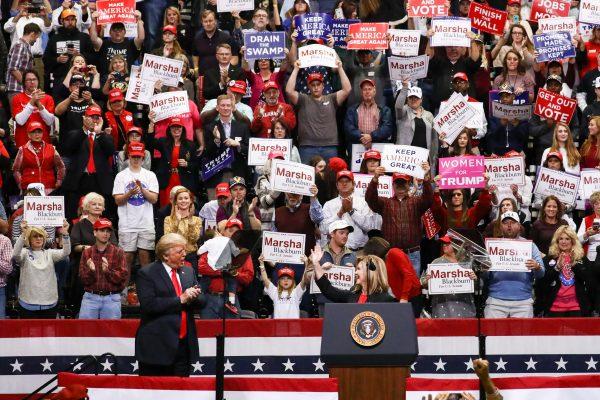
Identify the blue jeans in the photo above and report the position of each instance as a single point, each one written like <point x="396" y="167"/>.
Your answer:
<point x="308" y="152"/>
<point x="2" y="302"/>
<point x="213" y="308"/>
<point x="415" y="260"/>
<point x="94" y="306"/>
<point x="153" y="19"/>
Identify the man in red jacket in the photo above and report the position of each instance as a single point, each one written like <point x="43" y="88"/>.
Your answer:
<point x="265" y="114"/>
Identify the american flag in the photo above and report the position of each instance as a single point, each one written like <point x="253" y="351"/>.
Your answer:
<point x="32" y="351"/>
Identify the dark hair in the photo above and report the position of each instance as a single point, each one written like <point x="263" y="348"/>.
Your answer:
<point x="562" y="165"/>
<point x="376" y="246"/>
<point x="271" y="65"/>
<point x="170" y="136"/>
<point x="31" y="27"/>
<point x="348" y="8"/>
<point x="314" y="160"/>
<point x="497" y="231"/>
<point x="287" y="129"/>
<point x="464" y="216"/>
<point x="468" y="148"/>
<point x="30" y="71"/>
<point x="559" y="205"/>
<point x="520" y="67"/>
<point x="363" y="165"/>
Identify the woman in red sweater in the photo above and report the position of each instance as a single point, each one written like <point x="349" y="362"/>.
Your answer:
<point x="590" y="150"/>
<point x="38" y="161"/>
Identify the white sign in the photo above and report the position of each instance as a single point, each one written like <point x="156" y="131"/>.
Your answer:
<point x="590" y="181"/>
<point x="450" y="31"/>
<point x="411" y="68"/>
<point x="453" y="117"/>
<point x="259" y="149"/>
<point x="341" y="277"/>
<point x="505" y="171"/>
<point x="169" y="104"/>
<point x="404" y="159"/>
<point x="589" y="12"/>
<point x="477" y="121"/>
<point x="139" y="90"/>
<point x="384" y="186"/>
<point x="166" y="70"/>
<point x="404" y="43"/>
<point x="234" y="5"/>
<point x="282" y="247"/>
<point x="317" y="54"/>
<point x="522" y="112"/>
<point x="210" y="224"/>
<point x="562" y="185"/>
<point x="292" y="177"/>
<point x="358" y="150"/>
<point x="44" y="210"/>
<point x="558" y="24"/>
<point x="449" y="279"/>
<point x="509" y="254"/>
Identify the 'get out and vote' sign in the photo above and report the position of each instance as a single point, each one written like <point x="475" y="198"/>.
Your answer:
<point x="427" y="8"/>
<point x="44" y="210"/>
<point x="461" y="172"/>
<point x="554" y="106"/>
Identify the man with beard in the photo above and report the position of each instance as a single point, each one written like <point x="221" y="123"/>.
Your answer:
<point x="265" y="114"/>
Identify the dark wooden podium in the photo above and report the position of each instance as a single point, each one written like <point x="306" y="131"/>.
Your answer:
<point x="369" y="367"/>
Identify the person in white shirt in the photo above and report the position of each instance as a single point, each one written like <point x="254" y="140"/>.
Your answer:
<point x="84" y="20"/>
<point x="135" y="190"/>
<point x="351" y="208"/>
<point x="15" y="26"/>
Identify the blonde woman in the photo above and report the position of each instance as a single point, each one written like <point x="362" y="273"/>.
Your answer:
<point x="118" y="75"/>
<point x="183" y="221"/>
<point x="562" y="142"/>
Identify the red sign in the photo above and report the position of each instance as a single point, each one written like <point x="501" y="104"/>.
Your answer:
<point x="368" y="36"/>
<point x="549" y="8"/>
<point x="111" y="11"/>
<point x="427" y="8"/>
<point x="487" y="19"/>
<point x="554" y="106"/>
<point x="431" y="226"/>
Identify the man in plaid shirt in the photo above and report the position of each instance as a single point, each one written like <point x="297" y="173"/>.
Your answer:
<point x="20" y="59"/>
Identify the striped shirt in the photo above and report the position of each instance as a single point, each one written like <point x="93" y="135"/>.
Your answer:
<point x="368" y="118"/>
<point x="19" y="59"/>
<point x="6" y="267"/>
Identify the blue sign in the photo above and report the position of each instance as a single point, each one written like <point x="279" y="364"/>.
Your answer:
<point x="521" y="99"/>
<point x="553" y="46"/>
<point x="339" y="31"/>
<point x="264" y="45"/>
<point x="313" y="26"/>
<point x="211" y="167"/>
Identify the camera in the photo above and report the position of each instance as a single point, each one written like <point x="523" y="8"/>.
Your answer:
<point x="35" y="6"/>
<point x="596" y="225"/>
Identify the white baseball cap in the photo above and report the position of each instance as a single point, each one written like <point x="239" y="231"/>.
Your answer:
<point x="340" y="224"/>
<point x="415" y="91"/>
<point x="597" y="83"/>
<point x="512" y="215"/>
<point x="37" y="186"/>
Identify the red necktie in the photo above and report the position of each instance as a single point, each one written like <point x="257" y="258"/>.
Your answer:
<point x="91" y="166"/>
<point x="183" y="329"/>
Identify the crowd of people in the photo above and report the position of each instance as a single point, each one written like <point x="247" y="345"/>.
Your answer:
<point x="128" y="178"/>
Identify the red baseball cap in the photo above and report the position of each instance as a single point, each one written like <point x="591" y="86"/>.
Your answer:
<point x="512" y="153"/>
<point x="276" y="154"/>
<point x="115" y="95"/>
<point x="93" y="110"/>
<point x="238" y="86"/>
<point x="102" y="223"/>
<point x="461" y="76"/>
<point x="372" y="155"/>
<point x="270" y="85"/>
<point x="286" y="271"/>
<point x="170" y="28"/>
<point x="514" y="2"/>
<point x="234" y="222"/>
<point x="136" y="129"/>
<point x="136" y="149"/>
<point x="222" y="189"/>
<point x="315" y="76"/>
<point x="397" y="176"/>
<point x="554" y="154"/>
<point x="175" y="121"/>
<point x="337" y="164"/>
<point x="445" y="239"/>
<point x="345" y="174"/>
<point x="34" y="126"/>
<point x="371" y="81"/>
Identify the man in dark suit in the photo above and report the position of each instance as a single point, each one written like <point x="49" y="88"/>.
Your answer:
<point x="89" y="170"/>
<point x="216" y="79"/>
<point x="166" y="342"/>
<point x="223" y="133"/>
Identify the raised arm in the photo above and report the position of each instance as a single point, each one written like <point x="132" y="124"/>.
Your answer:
<point x="290" y="87"/>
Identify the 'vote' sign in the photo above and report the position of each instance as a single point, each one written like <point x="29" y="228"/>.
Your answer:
<point x="553" y="106"/>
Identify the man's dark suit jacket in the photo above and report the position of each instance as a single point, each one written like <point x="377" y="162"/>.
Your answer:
<point x="240" y="154"/>
<point x="212" y="77"/>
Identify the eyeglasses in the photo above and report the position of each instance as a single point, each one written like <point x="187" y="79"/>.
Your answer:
<point x="456" y="194"/>
<point x="518" y="33"/>
<point x="31" y="80"/>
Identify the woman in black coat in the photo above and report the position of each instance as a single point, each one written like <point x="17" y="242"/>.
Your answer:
<point x="178" y="164"/>
<point x="378" y="287"/>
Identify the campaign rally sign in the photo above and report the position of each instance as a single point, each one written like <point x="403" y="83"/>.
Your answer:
<point x="404" y="159"/>
<point x="384" y="185"/>
<point x="549" y="8"/>
<point x="404" y="43"/>
<point x="590" y="181"/>
<point x="430" y="225"/>
<point x="317" y="54"/>
<point x="449" y="279"/>
<point x="313" y="26"/>
<point x="139" y="90"/>
<point x="461" y="172"/>
<point x="554" y="106"/>
<point x="589" y="12"/>
<point x="166" y="70"/>
<point x="427" y="8"/>
<point x="450" y="31"/>
<point x="453" y="117"/>
<point x="211" y="167"/>
<point x="522" y="112"/>
<point x="264" y="45"/>
<point x="339" y="31"/>
<point x="368" y="36"/>
<point x="494" y="97"/>
<point x="487" y="19"/>
<point x="508" y="254"/>
<point x="279" y="247"/>
<point x="505" y="171"/>
<point x="259" y="149"/>
<point x="111" y="11"/>
<point x="44" y="210"/>
<point x="411" y="68"/>
<point x="292" y="177"/>
<point x="340" y="276"/>
<point x="357" y="154"/>
<point x="553" y="46"/>
<point x="558" y="24"/>
<point x="561" y="184"/>
<point x="210" y="224"/>
<point x="234" y="5"/>
<point x="169" y="104"/>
